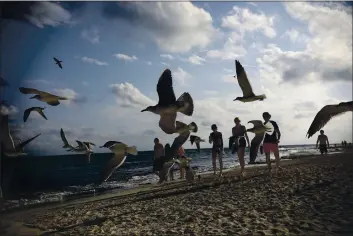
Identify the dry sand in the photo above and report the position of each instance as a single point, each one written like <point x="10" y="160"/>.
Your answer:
<point x="312" y="196"/>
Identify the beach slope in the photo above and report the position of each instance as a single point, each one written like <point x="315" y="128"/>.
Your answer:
<point x="312" y="196"/>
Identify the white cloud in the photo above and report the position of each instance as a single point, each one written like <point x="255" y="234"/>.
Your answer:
<point x="210" y="92"/>
<point x="91" y="35"/>
<point x="233" y="48"/>
<point x="194" y="59"/>
<point x="72" y="96"/>
<point x="296" y="36"/>
<point x="149" y="63"/>
<point x="243" y="20"/>
<point x="94" y="61"/>
<point x="48" y="13"/>
<point x="181" y="76"/>
<point x="164" y="63"/>
<point x="167" y="56"/>
<point x="129" y="96"/>
<point x="8" y="110"/>
<point x="174" y="26"/>
<point x="125" y="57"/>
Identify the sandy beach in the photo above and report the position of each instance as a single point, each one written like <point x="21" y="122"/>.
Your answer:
<point x="312" y="196"/>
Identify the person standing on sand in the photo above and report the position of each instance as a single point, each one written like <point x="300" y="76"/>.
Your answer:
<point x="181" y="154"/>
<point x="158" y="153"/>
<point x="270" y="142"/>
<point x="217" y="148"/>
<point x="323" y="140"/>
<point x="239" y="134"/>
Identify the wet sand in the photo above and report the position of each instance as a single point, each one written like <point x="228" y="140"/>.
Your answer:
<point x="312" y="196"/>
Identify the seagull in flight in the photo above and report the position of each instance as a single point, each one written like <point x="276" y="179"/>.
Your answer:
<point x="196" y="140"/>
<point x="168" y="106"/>
<point x="326" y="114"/>
<point x="28" y="111"/>
<point x="248" y="94"/>
<point x="120" y="151"/>
<point x="63" y="138"/>
<point x="50" y="99"/>
<point x="84" y="148"/>
<point x="58" y="62"/>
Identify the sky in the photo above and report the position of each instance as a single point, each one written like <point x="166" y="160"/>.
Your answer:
<point x="297" y="53"/>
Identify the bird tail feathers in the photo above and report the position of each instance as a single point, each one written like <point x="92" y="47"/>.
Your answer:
<point x="131" y="150"/>
<point x="188" y="104"/>
<point x="263" y="96"/>
<point x="193" y="127"/>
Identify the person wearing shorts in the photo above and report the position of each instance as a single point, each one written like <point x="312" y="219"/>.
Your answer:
<point x="240" y="138"/>
<point x="270" y="143"/>
<point x="216" y="139"/>
<point x="322" y="140"/>
<point x="158" y="153"/>
<point x="181" y="155"/>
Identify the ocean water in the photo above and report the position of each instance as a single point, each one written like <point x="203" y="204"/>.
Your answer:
<point x="39" y="179"/>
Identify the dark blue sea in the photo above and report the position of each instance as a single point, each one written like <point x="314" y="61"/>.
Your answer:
<point x="31" y="180"/>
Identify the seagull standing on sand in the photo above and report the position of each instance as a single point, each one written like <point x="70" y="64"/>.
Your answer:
<point x="259" y="129"/>
<point x="120" y="150"/>
<point x="58" y="62"/>
<point x="168" y="106"/>
<point x="63" y="138"/>
<point x="248" y="94"/>
<point x="50" y="99"/>
<point x="28" y="111"/>
<point x="326" y="114"/>
<point x="196" y="140"/>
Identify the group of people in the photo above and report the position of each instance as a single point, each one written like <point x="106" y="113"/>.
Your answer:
<point x="158" y="160"/>
<point x="241" y="141"/>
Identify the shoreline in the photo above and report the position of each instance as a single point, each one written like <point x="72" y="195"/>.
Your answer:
<point x="164" y="191"/>
<point x="148" y="186"/>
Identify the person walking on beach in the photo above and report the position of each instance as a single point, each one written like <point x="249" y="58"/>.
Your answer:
<point x="180" y="155"/>
<point x="270" y="142"/>
<point x="239" y="134"/>
<point x="323" y="140"/>
<point x="158" y="153"/>
<point x="216" y="139"/>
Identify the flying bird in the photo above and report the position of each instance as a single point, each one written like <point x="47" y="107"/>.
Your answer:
<point x="63" y="138"/>
<point x="168" y="106"/>
<point x="326" y="114"/>
<point x="196" y="140"/>
<point x="248" y="94"/>
<point x="84" y="148"/>
<point x="50" y="99"/>
<point x="108" y="144"/>
<point x="120" y="151"/>
<point x="28" y="111"/>
<point x="259" y="129"/>
<point x="58" y="62"/>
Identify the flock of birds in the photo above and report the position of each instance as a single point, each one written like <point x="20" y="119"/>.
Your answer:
<point x="167" y="108"/>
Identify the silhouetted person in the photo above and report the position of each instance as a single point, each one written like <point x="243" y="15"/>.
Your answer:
<point x="324" y="144"/>
<point x="216" y="139"/>
<point x="158" y="153"/>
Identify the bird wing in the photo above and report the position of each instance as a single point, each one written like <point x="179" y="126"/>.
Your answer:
<point x="21" y="145"/>
<point x="88" y="144"/>
<point x="324" y="116"/>
<point x="243" y="80"/>
<point x="63" y="138"/>
<point x="5" y="135"/>
<point x="165" y="89"/>
<point x="192" y="139"/>
<point x="30" y="91"/>
<point x="56" y="60"/>
<point x="178" y="142"/>
<point x="42" y="114"/>
<point x="256" y="123"/>
<point x="81" y="144"/>
<point x="198" y="146"/>
<point x="59" y="64"/>
<point x="26" y="113"/>
<point x="112" y="165"/>
<point x="108" y="144"/>
<point x="167" y="122"/>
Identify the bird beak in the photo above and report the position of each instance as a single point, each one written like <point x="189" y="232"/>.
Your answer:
<point x="32" y="97"/>
<point x="144" y="110"/>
